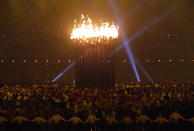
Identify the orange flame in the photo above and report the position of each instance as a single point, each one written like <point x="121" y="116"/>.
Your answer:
<point x="86" y="30"/>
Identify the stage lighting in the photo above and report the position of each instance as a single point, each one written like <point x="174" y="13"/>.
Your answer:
<point x="125" y="41"/>
<point x="63" y="72"/>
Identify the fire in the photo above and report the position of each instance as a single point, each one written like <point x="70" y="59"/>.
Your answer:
<point x="86" y="31"/>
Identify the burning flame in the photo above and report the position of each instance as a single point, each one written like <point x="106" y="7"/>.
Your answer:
<point x="86" y="31"/>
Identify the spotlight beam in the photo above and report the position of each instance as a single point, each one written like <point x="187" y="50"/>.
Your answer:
<point x="125" y="41"/>
<point x="63" y="72"/>
<point x="138" y="34"/>
<point x="144" y="71"/>
<point x="132" y="61"/>
<point x="143" y="30"/>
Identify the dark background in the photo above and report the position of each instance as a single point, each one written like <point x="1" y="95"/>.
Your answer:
<point x="40" y="29"/>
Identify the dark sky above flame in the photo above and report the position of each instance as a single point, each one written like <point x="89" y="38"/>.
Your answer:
<point x="41" y="28"/>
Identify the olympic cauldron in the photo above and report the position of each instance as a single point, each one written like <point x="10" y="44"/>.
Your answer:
<point x="95" y="66"/>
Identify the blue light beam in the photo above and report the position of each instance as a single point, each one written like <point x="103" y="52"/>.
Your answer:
<point x="63" y="72"/>
<point x="125" y="41"/>
<point x="144" y="71"/>
<point x="143" y="30"/>
<point x="138" y="34"/>
<point x="132" y="61"/>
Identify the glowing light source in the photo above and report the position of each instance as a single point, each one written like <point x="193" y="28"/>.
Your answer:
<point x="63" y="72"/>
<point x="58" y="61"/>
<point x="144" y="71"/>
<point x="35" y="61"/>
<point x="85" y="31"/>
<point x="125" y="42"/>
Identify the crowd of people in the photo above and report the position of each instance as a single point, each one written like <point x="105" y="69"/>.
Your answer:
<point x="132" y="106"/>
